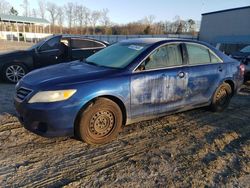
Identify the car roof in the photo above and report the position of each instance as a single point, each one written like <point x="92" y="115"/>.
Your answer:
<point x="80" y="37"/>
<point x="155" y="40"/>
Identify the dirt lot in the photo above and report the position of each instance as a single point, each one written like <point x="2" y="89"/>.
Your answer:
<point x="196" y="148"/>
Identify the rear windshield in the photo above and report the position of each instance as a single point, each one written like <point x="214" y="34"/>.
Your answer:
<point x="118" y="55"/>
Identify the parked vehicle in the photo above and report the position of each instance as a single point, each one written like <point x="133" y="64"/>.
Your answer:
<point x="53" y="50"/>
<point x="244" y="56"/>
<point x="127" y="82"/>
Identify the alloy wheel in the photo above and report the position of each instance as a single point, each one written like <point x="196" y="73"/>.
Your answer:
<point x="14" y="73"/>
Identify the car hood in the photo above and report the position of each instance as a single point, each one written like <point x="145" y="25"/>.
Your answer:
<point x="66" y="73"/>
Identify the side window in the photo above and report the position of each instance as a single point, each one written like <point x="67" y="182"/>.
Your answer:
<point x="197" y="54"/>
<point x="82" y="44"/>
<point x="214" y="59"/>
<point x="165" y="56"/>
<point x="51" y="44"/>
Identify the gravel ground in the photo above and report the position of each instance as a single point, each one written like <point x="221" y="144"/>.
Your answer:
<point x="196" y="148"/>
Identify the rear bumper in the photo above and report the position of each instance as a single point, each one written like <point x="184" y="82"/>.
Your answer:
<point x="48" y="120"/>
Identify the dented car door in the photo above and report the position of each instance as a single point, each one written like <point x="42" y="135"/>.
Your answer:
<point x="159" y="83"/>
<point x="205" y="70"/>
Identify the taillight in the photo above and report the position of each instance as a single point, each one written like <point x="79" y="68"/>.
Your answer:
<point x="242" y="69"/>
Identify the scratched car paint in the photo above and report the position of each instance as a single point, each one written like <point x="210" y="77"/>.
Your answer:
<point x="130" y="81"/>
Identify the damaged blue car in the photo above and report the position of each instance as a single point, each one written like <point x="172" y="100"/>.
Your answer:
<point x="127" y="82"/>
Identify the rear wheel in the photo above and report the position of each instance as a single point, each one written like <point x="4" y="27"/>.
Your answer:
<point x="221" y="98"/>
<point x="14" y="72"/>
<point x="100" y="122"/>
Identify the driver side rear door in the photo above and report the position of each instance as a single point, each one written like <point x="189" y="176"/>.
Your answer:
<point x="83" y="48"/>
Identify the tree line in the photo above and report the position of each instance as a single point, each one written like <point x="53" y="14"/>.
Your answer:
<point x="75" y="18"/>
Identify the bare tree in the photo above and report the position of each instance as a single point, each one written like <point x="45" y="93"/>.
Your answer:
<point x="25" y="6"/>
<point x="4" y="7"/>
<point x="75" y="17"/>
<point x="34" y="13"/>
<point x="52" y="9"/>
<point x="94" y="17"/>
<point x="82" y="16"/>
<point x="60" y="18"/>
<point x="42" y="8"/>
<point x="149" y="20"/>
<point x="104" y="19"/>
<point x="191" y="25"/>
<point x="69" y="8"/>
<point x="13" y="11"/>
<point x="86" y="18"/>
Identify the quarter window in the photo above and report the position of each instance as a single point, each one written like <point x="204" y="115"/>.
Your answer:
<point x="200" y="55"/>
<point x="214" y="59"/>
<point x="165" y="56"/>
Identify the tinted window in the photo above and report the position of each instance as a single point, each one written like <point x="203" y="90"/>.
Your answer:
<point x="197" y="54"/>
<point x="81" y="43"/>
<point x="246" y="49"/>
<point x="51" y="44"/>
<point x="166" y="56"/>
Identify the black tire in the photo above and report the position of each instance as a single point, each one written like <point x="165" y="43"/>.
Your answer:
<point x="221" y="98"/>
<point x="13" y="72"/>
<point x="100" y="122"/>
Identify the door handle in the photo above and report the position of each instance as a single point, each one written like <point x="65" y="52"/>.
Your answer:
<point x="220" y="69"/>
<point x="181" y="74"/>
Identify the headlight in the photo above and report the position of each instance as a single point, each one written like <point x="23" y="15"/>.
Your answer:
<point x="52" y="96"/>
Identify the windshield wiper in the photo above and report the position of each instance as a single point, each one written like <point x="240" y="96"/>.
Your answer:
<point x="96" y="64"/>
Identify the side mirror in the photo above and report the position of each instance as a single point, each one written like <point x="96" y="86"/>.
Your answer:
<point x="141" y="67"/>
<point x="37" y="49"/>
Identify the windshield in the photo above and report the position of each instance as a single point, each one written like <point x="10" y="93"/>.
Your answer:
<point x="40" y="43"/>
<point x="118" y="55"/>
<point x="245" y="49"/>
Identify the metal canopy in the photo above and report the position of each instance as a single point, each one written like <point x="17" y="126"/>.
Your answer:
<point x="23" y="19"/>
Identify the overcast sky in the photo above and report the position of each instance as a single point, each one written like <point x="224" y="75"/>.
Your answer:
<point x="124" y="11"/>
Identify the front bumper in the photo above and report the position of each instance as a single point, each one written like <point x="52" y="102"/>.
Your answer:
<point x="48" y="119"/>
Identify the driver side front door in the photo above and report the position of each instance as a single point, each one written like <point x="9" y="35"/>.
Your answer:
<point x="49" y="53"/>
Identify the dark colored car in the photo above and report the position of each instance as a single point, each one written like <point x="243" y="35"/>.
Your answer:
<point x="53" y="50"/>
<point x="244" y="56"/>
<point x="127" y="82"/>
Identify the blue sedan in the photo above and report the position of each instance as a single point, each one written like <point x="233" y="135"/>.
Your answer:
<point x="130" y="81"/>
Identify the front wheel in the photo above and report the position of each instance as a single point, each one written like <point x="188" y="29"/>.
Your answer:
<point x="100" y="122"/>
<point x="14" y="72"/>
<point x="221" y="98"/>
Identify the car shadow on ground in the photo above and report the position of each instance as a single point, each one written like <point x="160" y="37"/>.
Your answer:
<point x="224" y="147"/>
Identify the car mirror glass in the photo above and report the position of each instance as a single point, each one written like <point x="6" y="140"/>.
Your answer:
<point x="141" y="67"/>
<point x="37" y="49"/>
